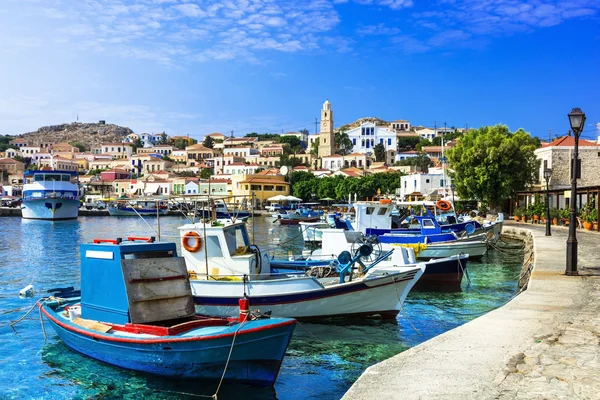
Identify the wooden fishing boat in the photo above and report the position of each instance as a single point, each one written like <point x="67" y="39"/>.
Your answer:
<point x="136" y="311"/>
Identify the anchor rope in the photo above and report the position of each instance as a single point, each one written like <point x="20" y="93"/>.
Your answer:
<point x="214" y="396"/>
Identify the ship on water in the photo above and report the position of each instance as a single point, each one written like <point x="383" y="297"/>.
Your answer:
<point x="50" y="194"/>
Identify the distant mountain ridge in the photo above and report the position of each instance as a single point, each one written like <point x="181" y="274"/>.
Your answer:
<point x="90" y="134"/>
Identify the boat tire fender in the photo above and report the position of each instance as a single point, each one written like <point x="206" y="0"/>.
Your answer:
<point x="185" y="242"/>
<point x="258" y="257"/>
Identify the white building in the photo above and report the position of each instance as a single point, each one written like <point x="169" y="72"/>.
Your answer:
<point x="368" y="135"/>
<point x="425" y="184"/>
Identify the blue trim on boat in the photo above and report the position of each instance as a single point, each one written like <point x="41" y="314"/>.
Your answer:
<point x="291" y="298"/>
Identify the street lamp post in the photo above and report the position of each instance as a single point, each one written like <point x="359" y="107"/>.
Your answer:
<point x="577" y="121"/>
<point x="547" y="175"/>
<point x="452" y="187"/>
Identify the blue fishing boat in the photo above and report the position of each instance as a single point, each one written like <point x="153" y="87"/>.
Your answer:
<point x="136" y="208"/>
<point x="136" y="311"/>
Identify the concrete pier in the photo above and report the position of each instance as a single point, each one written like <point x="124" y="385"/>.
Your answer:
<point x="544" y="344"/>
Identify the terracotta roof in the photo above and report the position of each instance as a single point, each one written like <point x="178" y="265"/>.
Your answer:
<point x="117" y="170"/>
<point x="335" y="156"/>
<point x="262" y="180"/>
<point x="356" y="155"/>
<point x="569" y="141"/>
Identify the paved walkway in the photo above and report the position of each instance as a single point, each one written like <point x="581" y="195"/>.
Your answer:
<point x="544" y="344"/>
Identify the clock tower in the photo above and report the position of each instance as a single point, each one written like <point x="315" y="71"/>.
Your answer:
<point x="326" y="141"/>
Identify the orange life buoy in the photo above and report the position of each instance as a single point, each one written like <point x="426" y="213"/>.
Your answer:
<point x="443" y="205"/>
<point x="385" y="201"/>
<point x="185" y="242"/>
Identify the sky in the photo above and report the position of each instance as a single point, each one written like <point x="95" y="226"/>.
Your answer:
<point x="201" y="66"/>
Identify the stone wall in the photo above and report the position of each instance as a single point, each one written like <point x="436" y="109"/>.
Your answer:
<point x="561" y="167"/>
<point x="526" y="237"/>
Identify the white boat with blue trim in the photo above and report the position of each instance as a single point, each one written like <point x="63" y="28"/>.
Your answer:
<point x="224" y="266"/>
<point x="50" y="195"/>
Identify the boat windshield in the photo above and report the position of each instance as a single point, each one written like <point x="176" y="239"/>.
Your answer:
<point x="51" y="178"/>
<point x="236" y="237"/>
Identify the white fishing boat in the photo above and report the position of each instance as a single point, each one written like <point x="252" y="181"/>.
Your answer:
<point x="311" y="231"/>
<point x="50" y="195"/>
<point x="224" y="266"/>
<point x="445" y="272"/>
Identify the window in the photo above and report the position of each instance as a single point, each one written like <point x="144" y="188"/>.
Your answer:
<point x="426" y="180"/>
<point x="280" y="188"/>
<point x="380" y="141"/>
<point x="213" y="247"/>
<point x="428" y="224"/>
<point x="389" y="141"/>
<point x="382" y="211"/>
<point x="370" y="210"/>
<point x="354" y="143"/>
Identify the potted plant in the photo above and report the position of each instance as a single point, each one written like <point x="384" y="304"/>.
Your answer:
<point x="554" y="214"/>
<point x="518" y="213"/>
<point x="594" y="217"/>
<point x="565" y="214"/>
<point x="589" y="216"/>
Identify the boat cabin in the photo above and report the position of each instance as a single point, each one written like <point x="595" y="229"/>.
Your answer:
<point x="222" y="252"/>
<point x="377" y="218"/>
<point x="134" y="282"/>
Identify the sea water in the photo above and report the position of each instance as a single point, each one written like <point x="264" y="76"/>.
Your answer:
<point x="322" y="361"/>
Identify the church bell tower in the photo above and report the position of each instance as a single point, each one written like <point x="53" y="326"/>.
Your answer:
<point x="326" y="141"/>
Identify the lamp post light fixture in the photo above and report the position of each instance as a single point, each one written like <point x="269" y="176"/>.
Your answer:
<point x="547" y="175"/>
<point x="452" y="187"/>
<point x="577" y="121"/>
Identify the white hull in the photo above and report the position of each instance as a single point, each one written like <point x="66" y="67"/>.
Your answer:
<point x="308" y="298"/>
<point x="50" y="209"/>
<point x="473" y="249"/>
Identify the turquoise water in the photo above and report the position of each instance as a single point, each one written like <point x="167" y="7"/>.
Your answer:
<point x="322" y="362"/>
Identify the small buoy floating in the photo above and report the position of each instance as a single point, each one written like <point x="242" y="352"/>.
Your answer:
<point x="27" y="291"/>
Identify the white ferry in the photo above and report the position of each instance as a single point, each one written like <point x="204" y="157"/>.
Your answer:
<point x="50" y="194"/>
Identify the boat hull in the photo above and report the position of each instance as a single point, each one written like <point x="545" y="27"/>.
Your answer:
<point x="375" y="296"/>
<point x="296" y="221"/>
<point x="50" y="209"/>
<point x="129" y="212"/>
<point x="255" y="359"/>
<point x="475" y="250"/>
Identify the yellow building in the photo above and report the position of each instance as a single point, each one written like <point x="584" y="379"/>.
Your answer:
<point x="262" y="186"/>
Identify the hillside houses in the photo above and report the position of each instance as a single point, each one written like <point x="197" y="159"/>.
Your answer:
<point x="142" y="163"/>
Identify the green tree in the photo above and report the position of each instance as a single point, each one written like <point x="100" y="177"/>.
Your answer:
<point x="137" y="144"/>
<point x="209" y="142"/>
<point x="314" y="148"/>
<point x="423" y="142"/>
<point x="421" y="161"/>
<point x="206" y="173"/>
<point x="408" y="142"/>
<point x="289" y="160"/>
<point x="187" y="174"/>
<point x="80" y="146"/>
<point x="180" y="143"/>
<point x="379" y="151"/>
<point x="305" y="189"/>
<point x="164" y="139"/>
<point x="293" y="142"/>
<point x="491" y="163"/>
<point x="343" y="144"/>
<point x="301" y="176"/>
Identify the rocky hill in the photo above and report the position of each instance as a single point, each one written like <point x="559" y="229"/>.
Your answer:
<point x="89" y="134"/>
<point x="358" y="122"/>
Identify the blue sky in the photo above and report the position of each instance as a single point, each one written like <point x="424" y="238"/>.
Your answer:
<point x="200" y="66"/>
